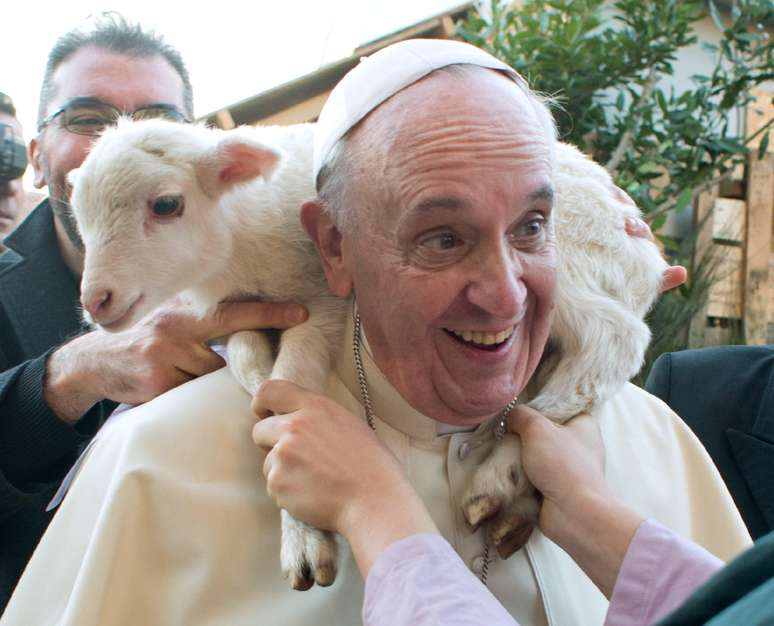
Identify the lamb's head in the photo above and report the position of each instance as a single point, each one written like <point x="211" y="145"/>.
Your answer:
<point x="149" y="205"/>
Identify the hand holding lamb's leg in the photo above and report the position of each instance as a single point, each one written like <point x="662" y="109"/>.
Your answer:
<point x="501" y="496"/>
<point x="309" y="555"/>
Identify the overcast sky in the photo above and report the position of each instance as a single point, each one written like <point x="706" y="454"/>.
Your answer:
<point x="233" y="50"/>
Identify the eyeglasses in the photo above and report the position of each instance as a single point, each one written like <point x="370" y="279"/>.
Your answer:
<point x="86" y="116"/>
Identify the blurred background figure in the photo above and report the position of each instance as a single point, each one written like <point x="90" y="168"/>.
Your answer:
<point x="13" y="163"/>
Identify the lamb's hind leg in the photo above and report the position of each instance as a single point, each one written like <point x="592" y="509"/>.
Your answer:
<point x="309" y="555"/>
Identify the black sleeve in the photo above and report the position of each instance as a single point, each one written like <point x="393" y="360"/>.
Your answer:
<point x="660" y="377"/>
<point x="36" y="447"/>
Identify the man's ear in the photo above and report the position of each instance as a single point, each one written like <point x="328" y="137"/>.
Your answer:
<point x="328" y="240"/>
<point x="34" y="157"/>
<point x="235" y="159"/>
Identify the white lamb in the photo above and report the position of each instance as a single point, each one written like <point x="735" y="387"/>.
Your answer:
<point x="165" y="208"/>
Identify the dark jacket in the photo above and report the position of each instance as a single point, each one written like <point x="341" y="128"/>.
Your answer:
<point x="38" y="312"/>
<point x="726" y="396"/>
<point x="741" y="594"/>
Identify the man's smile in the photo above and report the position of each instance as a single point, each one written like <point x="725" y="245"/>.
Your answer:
<point x="482" y="338"/>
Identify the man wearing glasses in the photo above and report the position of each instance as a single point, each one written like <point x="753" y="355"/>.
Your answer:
<point x="58" y="380"/>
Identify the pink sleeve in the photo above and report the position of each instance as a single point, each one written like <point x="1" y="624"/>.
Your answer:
<point x="659" y="572"/>
<point x="421" y="581"/>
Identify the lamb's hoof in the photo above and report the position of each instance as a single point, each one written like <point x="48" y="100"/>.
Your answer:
<point x="478" y="509"/>
<point x="301" y="580"/>
<point x="510" y="533"/>
<point x="306" y="576"/>
<point x="325" y="574"/>
<point x="308" y="555"/>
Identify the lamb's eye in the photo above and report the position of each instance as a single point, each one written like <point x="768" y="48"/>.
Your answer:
<point x="168" y="206"/>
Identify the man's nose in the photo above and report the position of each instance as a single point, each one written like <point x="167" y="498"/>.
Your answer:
<point x="497" y="285"/>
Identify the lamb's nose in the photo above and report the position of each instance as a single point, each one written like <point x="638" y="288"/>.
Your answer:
<point x="98" y="304"/>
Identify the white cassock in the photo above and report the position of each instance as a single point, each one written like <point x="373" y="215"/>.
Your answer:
<point x="168" y="522"/>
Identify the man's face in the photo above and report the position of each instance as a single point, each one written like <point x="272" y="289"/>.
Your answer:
<point x="125" y="82"/>
<point x="12" y="191"/>
<point x="452" y="256"/>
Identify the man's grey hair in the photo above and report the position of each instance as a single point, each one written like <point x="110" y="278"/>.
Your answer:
<point x="332" y="181"/>
<point x="336" y="174"/>
<point x="112" y="32"/>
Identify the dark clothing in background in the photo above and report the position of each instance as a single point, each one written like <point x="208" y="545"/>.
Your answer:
<point x="742" y="593"/>
<point x="38" y="312"/>
<point x="726" y="396"/>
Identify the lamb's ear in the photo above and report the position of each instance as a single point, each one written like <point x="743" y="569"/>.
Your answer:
<point x="235" y="160"/>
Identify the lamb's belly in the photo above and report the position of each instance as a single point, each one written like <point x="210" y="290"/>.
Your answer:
<point x="297" y="293"/>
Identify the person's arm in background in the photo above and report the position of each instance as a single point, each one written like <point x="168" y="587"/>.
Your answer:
<point x="53" y="404"/>
<point x="643" y="568"/>
<point x="326" y="467"/>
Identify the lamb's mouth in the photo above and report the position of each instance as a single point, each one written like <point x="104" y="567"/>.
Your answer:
<point x="122" y="322"/>
<point x="482" y="339"/>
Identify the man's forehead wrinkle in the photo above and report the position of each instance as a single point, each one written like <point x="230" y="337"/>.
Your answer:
<point x="451" y="203"/>
<point x="477" y="135"/>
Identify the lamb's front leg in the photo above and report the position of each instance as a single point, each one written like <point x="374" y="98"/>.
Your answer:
<point x="501" y="496"/>
<point x="309" y="555"/>
<point x="250" y="358"/>
<point x="306" y="351"/>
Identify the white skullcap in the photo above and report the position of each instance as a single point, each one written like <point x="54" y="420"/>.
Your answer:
<point x="383" y="74"/>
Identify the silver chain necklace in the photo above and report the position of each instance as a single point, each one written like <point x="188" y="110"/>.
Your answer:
<point x="499" y="431"/>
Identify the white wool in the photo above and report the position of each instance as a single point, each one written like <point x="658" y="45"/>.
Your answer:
<point x="236" y="237"/>
<point x="607" y="281"/>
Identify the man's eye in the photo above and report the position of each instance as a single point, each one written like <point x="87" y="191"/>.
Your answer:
<point x="530" y="232"/>
<point x="442" y="241"/>
<point x="88" y="120"/>
<point x="534" y="227"/>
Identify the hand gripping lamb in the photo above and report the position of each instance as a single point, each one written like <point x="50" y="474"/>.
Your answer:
<point x="167" y="209"/>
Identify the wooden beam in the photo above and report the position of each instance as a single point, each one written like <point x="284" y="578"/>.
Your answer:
<point x="306" y="111"/>
<point x="725" y="294"/>
<point x="224" y="119"/>
<point x="702" y="254"/>
<point x="728" y="220"/>
<point x="759" y="113"/>
<point x="760" y="210"/>
<point x="447" y="27"/>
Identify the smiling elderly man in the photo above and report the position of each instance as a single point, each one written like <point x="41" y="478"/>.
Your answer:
<point x="434" y="210"/>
